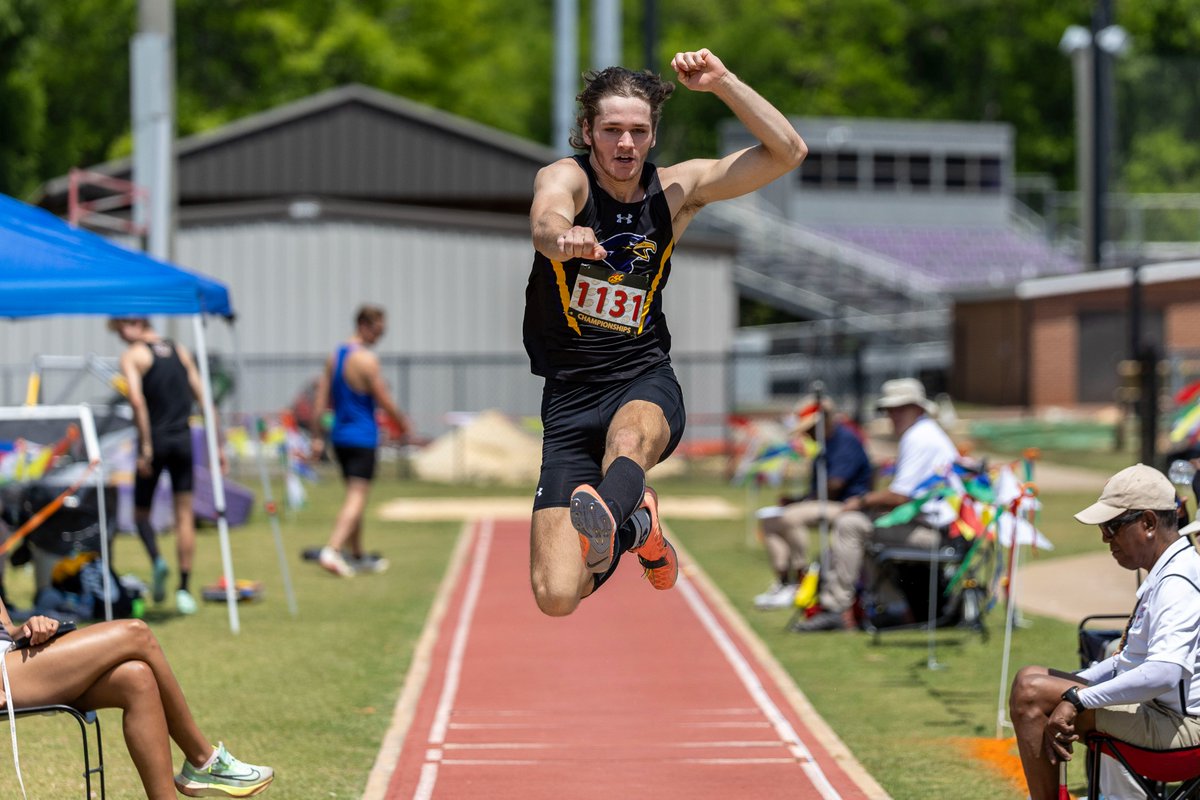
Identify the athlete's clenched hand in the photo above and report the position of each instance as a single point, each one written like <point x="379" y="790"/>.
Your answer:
<point x="699" y="71"/>
<point x="580" y="242"/>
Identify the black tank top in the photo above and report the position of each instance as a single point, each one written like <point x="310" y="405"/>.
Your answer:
<point x="602" y="321"/>
<point x="167" y="392"/>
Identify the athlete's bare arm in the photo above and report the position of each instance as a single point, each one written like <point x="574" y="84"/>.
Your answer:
<point x="693" y="184"/>
<point x="363" y="375"/>
<point x="193" y="376"/>
<point x="559" y="192"/>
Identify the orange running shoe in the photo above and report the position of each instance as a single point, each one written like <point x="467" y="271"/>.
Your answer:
<point x="657" y="555"/>
<point x="596" y="526"/>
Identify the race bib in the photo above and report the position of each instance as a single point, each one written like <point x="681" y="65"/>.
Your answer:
<point x="608" y="299"/>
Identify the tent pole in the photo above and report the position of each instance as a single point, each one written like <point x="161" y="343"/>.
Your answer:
<point x="214" y="468"/>
<point x="87" y="423"/>
<point x="268" y="496"/>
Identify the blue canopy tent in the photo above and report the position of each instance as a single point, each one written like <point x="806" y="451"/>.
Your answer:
<point x="47" y="267"/>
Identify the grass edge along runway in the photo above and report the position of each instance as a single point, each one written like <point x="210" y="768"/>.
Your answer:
<point x="313" y="696"/>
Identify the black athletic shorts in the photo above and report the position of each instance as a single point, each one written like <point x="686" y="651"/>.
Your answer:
<point x="173" y="454"/>
<point x="575" y="419"/>
<point x="357" y="462"/>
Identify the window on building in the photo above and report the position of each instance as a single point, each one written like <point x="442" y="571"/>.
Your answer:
<point x="847" y="170"/>
<point x="811" y="169"/>
<point x="920" y="172"/>
<point x="990" y="176"/>
<point x="956" y="173"/>
<point x="885" y="175"/>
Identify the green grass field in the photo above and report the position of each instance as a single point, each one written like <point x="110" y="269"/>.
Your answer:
<point x="313" y="695"/>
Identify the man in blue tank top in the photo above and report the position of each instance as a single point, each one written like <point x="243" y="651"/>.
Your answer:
<point x="353" y="387"/>
<point x="604" y="225"/>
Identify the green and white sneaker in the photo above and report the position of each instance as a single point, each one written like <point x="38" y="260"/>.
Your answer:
<point x="224" y="777"/>
<point x="184" y="602"/>
<point x="161" y="571"/>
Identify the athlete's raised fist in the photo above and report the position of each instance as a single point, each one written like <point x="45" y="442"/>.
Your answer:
<point x="698" y="70"/>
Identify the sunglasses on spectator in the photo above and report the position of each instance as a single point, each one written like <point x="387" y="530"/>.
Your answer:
<point x="1110" y="529"/>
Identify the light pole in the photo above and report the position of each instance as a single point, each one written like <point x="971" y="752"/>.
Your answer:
<point x="1091" y="52"/>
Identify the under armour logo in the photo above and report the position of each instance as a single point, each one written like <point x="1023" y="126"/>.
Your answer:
<point x="624" y="219"/>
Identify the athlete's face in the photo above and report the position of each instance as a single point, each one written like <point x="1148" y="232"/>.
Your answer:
<point x="372" y="332"/>
<point x="620" y="136"/>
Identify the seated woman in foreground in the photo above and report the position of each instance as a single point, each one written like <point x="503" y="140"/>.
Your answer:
<point x="121" y="665"/>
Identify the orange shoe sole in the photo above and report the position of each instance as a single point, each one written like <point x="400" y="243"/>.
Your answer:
<point x="596" y="527"/>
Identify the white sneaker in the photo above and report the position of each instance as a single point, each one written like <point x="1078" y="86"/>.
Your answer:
<point x="368" y="563"/>
<point x="780" y="595"/>
<point x="184" y="602"/>
<point x="333" y="561"/>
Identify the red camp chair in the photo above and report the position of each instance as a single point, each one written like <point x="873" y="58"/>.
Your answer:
<point x="1153" y="770"/>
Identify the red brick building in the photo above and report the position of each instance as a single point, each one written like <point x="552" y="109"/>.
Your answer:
<point x="1058" y="341"/>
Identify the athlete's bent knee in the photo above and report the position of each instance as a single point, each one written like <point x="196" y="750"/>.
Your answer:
<point x="554" y="603"/>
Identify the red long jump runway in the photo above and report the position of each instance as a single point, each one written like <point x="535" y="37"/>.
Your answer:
<point x="637" y="694"/>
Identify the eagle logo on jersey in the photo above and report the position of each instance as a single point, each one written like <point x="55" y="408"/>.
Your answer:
<point x="628" y="250"/>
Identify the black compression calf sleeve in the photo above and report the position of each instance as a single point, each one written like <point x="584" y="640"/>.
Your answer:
<point x="622" y="488"/>
<point x="148" y="537"/>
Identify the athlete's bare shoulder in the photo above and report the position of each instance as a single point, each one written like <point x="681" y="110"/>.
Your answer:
<point x="562" y="178"/>
<point x="679" y="183"/>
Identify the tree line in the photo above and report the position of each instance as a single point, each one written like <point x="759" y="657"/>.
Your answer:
<point x="64" y="70"/>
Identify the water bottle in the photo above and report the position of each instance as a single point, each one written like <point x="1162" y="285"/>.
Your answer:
<point x="1181" y="472"/>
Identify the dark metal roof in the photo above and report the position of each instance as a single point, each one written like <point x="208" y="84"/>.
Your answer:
<point x="354" y="143"/>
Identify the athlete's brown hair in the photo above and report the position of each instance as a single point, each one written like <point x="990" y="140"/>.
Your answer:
<point x="369" y="315"/>
<point x="619" y="82"/>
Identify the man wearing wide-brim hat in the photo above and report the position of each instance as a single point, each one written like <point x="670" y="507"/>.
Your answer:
<point x="1148" y="692"/>
<point x="787" y="528"/>
<point x="924" y="450"/>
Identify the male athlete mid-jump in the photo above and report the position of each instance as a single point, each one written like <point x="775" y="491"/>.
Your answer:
<point x="604" y="225"/>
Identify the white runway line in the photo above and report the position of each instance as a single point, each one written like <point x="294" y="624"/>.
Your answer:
<point x="754" y="686"/>
<point x="462" y="629"/>
<point x="414" y="682"/>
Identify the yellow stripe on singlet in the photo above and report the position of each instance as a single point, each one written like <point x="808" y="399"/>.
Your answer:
<point x="564" y="294"/>
<point x="662" y="265"/>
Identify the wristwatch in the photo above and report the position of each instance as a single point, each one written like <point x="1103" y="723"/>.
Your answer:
<point x="1072" y="696"/>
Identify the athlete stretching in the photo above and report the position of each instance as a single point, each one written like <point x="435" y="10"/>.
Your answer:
<point x="604" y="224"/>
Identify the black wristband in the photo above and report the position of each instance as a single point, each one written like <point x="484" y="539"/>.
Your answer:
<point x="1072" y="696"/>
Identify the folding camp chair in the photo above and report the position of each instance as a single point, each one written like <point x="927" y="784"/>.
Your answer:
<point x="905" y="581"/>
<point x="1153" y="770"/>
<point x="1096" y="635"/>
<point x="84" y="718"/>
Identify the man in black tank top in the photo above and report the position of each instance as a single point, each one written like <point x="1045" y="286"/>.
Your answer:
<point x="604" y="225"/>
<point x="161" y="383"/>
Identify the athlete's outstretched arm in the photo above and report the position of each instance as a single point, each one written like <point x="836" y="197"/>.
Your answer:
<point x="559" y="192"/>
<point x="780" y="148"/>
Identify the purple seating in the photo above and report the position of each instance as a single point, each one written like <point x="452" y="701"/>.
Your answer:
<point x="959" y="257"/>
